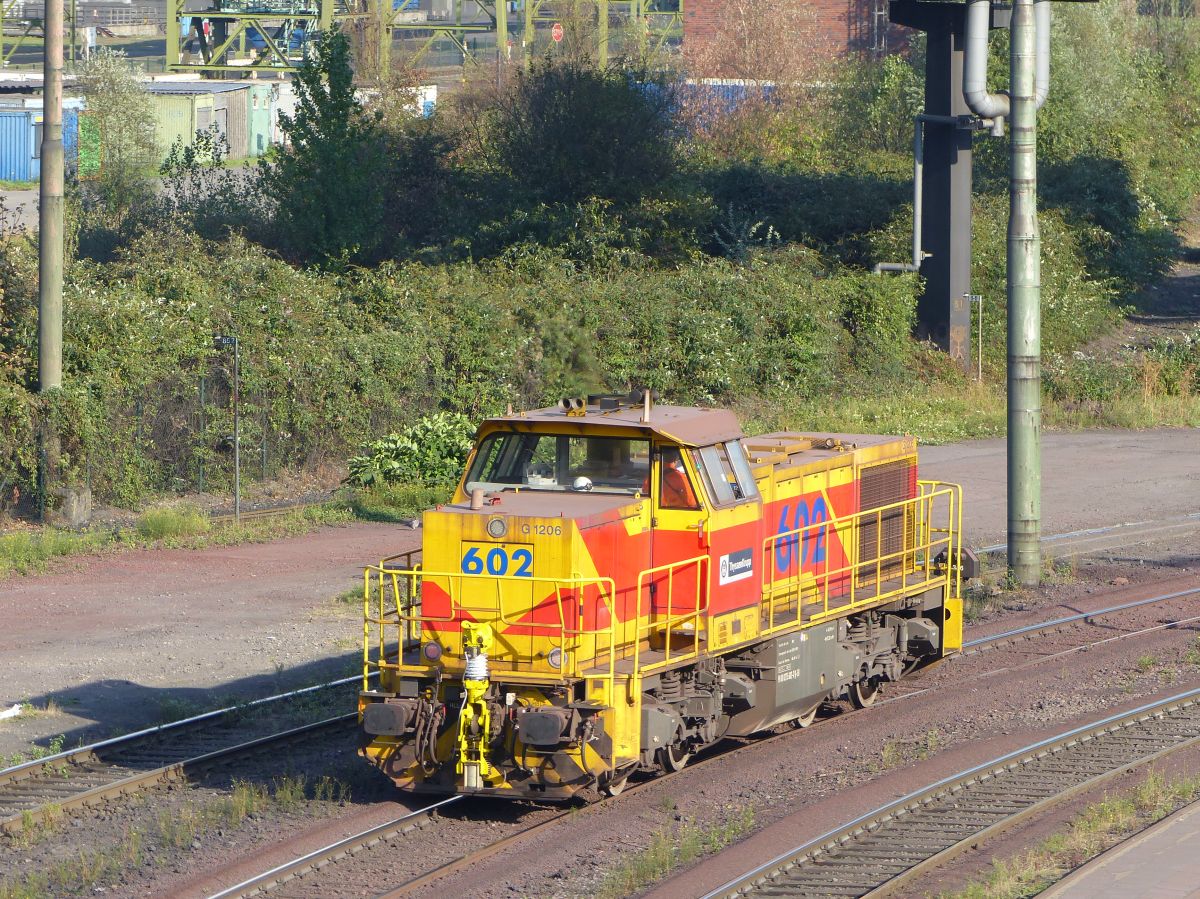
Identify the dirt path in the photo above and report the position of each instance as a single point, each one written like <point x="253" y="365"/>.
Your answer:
<point x="115" y="642"/>
<point x="1167" y="310"/>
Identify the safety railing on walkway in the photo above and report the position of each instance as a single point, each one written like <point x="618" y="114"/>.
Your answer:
<point x="909" y="549"/>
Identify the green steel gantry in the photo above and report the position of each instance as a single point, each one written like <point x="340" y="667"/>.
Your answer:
<point x="222" y="36"/>
<point x="250" y="35"/>
<point x="30" y="30"/>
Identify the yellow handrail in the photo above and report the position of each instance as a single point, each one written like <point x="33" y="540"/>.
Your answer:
<point x="606" y="590"/>
<point x="668" y="625"/>
<point x="911" y="565"/>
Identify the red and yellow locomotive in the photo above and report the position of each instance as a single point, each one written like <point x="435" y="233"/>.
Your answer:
<point x="617" y="584"/>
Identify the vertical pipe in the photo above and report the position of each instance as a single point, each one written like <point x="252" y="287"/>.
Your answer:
<point x="1024" y="312"/>
<point x="265" y="425"/>
<point x="918" y="190"/>
<point x="237" y="434"/>
<point x="203" y="432"/>
<point x="50" y="215"/>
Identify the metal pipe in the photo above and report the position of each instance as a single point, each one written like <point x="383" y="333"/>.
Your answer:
<point x="50" y="214"/>
<point x="1024" y="310"/>
<point x="1041" y="21"/>
<point x="975" y="61"/>
<point x="918" y="194"/>
<point x="237" y="432"/>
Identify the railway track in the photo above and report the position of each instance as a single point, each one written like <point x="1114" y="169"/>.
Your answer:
<point x="260" y="514"/>
<point x="93" y="774"/>
<point x="887" y="850"/>
<point x="1094" y="540"/>
<point x="1042" y="627"/>
<point x="277" y="878"/>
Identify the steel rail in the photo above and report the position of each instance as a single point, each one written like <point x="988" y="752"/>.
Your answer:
<point x="316" y="859"/>
<point x="1070" y="619"/>
<point x="1150" y="527"/>
<point x="91" y="774"/>
<point x="292" y="508"/>
<point x="886" y="849"/>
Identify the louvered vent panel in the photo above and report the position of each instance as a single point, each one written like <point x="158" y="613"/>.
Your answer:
<point x="881" y="535"/>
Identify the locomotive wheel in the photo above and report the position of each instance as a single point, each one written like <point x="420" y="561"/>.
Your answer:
<point x="807" y="718"/>
<point x="864" y="693"/>
<point x="613" y="785"/>
<point x="673" y="758"/>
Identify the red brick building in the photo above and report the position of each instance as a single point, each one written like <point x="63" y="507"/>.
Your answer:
<point x="844" y="25"/>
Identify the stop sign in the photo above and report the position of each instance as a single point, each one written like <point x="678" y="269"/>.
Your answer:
<point x="556" y="32"/>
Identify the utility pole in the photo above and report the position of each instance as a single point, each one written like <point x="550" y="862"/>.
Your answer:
<point x="50" y="212"/>
<point x="1024" y="310"/>
<point x="225" y="341"/>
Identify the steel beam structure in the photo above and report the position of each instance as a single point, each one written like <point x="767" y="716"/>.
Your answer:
<point x="218" y="36"/>
<point x="14" y="15"/>
<point x="645" y="27"/>
<point x="223" y="36"/>
<point x="944" y="309"/>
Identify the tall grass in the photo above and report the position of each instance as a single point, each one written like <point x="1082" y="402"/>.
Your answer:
<point x="167" y="524"/>
<point x="23" y="553"/>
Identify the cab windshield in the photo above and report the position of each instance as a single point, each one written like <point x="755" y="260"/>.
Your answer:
<point x="560" y="462"/>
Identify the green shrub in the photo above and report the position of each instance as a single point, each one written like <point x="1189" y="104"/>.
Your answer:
<point x="23" y="553"/>
<point x="430" y="452"/>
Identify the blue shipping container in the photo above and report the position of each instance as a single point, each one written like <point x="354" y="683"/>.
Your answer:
<point x="16" y="145"/>
<point x="21" y="140"/>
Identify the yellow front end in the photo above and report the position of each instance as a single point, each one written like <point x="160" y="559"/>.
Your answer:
<point x="498" y="655"/>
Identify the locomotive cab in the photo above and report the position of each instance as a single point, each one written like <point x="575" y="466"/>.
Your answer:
<point x="615" y="586"/>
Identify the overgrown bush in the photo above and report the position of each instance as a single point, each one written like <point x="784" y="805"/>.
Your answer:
<point x="326" y="182"/>
<point x="429" y="452"/>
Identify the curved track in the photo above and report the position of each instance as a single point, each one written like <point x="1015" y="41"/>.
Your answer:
<point x="92" y="774"/>
<point x="886" y="850"/>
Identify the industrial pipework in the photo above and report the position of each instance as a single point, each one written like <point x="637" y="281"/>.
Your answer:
<point x="1024" y="303"/>
<point x="998" y="107"/>
<point x="993" y="109"/>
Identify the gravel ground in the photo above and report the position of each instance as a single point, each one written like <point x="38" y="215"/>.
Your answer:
<point x="802" y="784"/>
<point x="136" y="633"/>
<point x="118" y="642"/>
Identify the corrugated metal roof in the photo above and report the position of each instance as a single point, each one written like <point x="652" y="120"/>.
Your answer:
<point x="195" y="87"/>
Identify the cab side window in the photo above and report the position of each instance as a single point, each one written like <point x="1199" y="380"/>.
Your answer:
<point x="675" y="489"/>
<point x="726" y="473"/>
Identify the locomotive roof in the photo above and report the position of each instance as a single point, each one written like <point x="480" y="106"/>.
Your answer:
<point x="687" y="425"/>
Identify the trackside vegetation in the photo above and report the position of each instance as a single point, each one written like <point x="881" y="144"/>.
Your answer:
<point x="582" y="228"/>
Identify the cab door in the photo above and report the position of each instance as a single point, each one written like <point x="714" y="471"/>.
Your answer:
<point x="706" y="540"/>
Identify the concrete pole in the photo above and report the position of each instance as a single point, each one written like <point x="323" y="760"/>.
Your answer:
<point x="501" y="38"/>
<point x="237" y="432"/>
<point x="1024" y="311"/>
<point x="50" y="214"/>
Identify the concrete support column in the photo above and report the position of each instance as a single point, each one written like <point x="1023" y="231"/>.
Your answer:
<point x="1024" y="311"/>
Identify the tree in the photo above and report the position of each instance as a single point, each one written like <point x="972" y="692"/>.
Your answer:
<point x="567" y="131"/>
<point x="122" y="113"/>
<point x="327" y="183"/>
